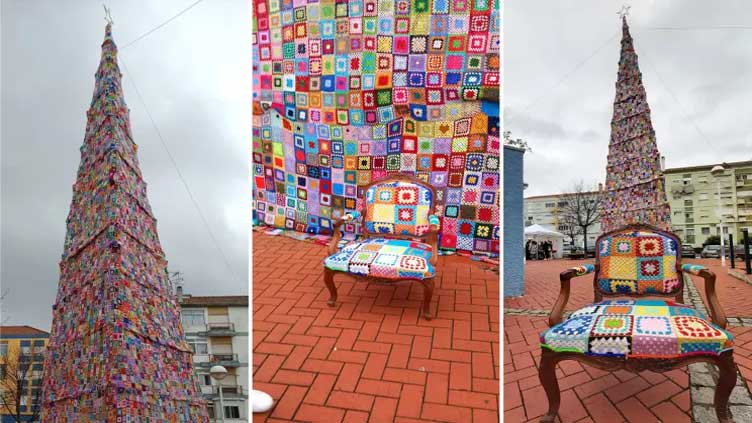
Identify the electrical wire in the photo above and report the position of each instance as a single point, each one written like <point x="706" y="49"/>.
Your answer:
<point x="147" y="33"/>
<point x="566" y="76"/>
<point x="177" y="170"/>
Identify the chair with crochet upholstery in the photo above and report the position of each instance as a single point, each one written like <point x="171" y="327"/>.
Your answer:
<point x="399" y="236"/>
<point x="638" y="334"/>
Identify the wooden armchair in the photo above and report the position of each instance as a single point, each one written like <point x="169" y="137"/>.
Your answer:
<point x="399" y="238"/>
<point x="639" y="334"/>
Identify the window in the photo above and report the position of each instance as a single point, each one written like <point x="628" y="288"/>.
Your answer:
<point x="207" y="380"/>
<point x="550" y="205"/>
<point x="232" y="411"/>
<point x="210" y="411"/>
<point x="706" y="231"/>
<point x="199" y="345"/>
<point x="193" y="317"/>
<point x="3" y="349"/>
<point x="687" y="203"/>
<point x="3" y="371"/>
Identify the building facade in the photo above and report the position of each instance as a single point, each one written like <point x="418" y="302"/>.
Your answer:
<point x="545" y="210"/>
<point x="216" y="327"/>
<point x="22" y="351"/>
<point x="693" y="195"/>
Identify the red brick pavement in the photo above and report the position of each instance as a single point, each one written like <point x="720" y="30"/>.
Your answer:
<point x="371" y="358"/>
<point x="589" y="394"/>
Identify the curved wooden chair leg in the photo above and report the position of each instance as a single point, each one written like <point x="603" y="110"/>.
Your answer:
<point x="547" y="376"/>
<point x="329" y="281"/>
<point x="427" y="296"/>
<point x="726" y="383"/>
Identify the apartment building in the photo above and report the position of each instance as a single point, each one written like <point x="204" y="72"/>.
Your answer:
<point x="545" y="210"/>
<point x="216" y="327"/>
<point x="21" y="362"/>
<point x="696" y="213"/>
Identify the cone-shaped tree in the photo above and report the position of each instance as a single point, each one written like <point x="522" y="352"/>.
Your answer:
<point x="117" y="351"/>
<point x="634" y="179"/>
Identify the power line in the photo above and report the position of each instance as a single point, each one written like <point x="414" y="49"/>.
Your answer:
<point x="565" y="77"/>
<point x="679" y="103"/>
<point x="177" y="169"/>
<point x="696" y="28"/>
<point x="162" y="24"/>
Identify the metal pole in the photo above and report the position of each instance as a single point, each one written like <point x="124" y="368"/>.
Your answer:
<point x="731" y="249"/>
<point x="221" y="403"/>
<point x="747" y="257"/>
<point x="720" y="222"/>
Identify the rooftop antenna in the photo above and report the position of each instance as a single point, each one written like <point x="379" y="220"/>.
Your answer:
<point x="107" y="16"/>
<point x="624" y="12"/>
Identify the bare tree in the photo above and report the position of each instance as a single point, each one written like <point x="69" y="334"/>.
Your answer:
<point x="3" y="314"/>
<point x="16" y="375"/>
<point x="569" y="227"/>
<point x="582" y="208"/>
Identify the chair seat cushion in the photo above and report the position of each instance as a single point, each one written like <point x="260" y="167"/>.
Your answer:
<point x="637" y="329"/>
<point x="384" y="258"/>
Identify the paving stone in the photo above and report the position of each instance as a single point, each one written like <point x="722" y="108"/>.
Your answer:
<point x="704" y="414"/>
<point x="741" y="414"/>
<point x="702" y="379"/>
<point x="702" y="395"/>
<point x="740" y="395"/>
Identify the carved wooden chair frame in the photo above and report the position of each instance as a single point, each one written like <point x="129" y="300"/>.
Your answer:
<point x="724" y="360"/>
<point x="430" y="238"/>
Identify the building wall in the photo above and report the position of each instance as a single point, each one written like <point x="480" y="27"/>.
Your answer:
<point x="544" y="211"/>
<point x="13" y="345"/>
<point x="512" y="222"/>
<point x="226" y="345"/>
<point x="693" y="196"/>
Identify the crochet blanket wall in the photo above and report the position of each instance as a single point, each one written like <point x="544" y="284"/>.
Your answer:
<point x="347" y="92"/>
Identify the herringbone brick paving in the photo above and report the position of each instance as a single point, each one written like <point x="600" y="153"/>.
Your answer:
<point x="589" y="394"/>
<point x="371" y="358"/>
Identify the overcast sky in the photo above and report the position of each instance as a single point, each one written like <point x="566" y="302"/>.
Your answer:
<point x="697" y="82"/>
<point x="194" y="76"/>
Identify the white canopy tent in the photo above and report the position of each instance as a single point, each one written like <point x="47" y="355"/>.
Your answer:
<point x="538" y="233"/>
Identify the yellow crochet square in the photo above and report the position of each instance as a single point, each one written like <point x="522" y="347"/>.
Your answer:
<point x="641" y="310"/>
<point x="383" y="213"/>
<point x="622" y="268"/>
<point x="669" y="267"/>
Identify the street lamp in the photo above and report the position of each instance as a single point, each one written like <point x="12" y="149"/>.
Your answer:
<point x="717" y="172"/>
<point x="218" y="373"/>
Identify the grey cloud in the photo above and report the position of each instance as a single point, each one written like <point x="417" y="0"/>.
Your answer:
<point x="194" y="75"/>
<point x="708" y="72"/>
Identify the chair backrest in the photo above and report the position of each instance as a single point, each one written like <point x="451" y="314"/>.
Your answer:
<point x="638" y="260"/>
<point x="398" y="205"/>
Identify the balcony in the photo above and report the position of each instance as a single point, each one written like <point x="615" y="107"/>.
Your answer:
<point x="208" y="360"/>
<point x="220" y="329"/>
<point x="228" y="391"/>
<point x="227" y="360"/>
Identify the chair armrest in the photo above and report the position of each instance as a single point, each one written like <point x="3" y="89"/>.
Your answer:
<point x="332" y="248"/>
<point x="716" y="311"/>
<point x="556" y="312"/>
<point x="432" y="238"/>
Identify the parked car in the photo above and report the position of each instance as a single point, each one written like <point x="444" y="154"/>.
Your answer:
<point x="739" y="251"/>
<point x="688" y="251"/>
<point x="711" y="251"/>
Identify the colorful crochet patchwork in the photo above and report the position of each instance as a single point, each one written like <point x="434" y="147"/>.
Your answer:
<point x="365" y="62"/>
<point x="635" y="187"/>
<point x="306" y="175"/>
<point x="638" y="262"/>
<point x="585" y="269"/>
<point x="693" y="269"/>
<point x="398" y="208"/>
<point x="384" y="258"/>
<point x="348" y="92"/>
<point x="637" y="329"/>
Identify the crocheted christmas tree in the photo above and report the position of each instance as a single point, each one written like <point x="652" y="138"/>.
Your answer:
<point x="117" y="351"/>
<point x="634" y="180"/>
